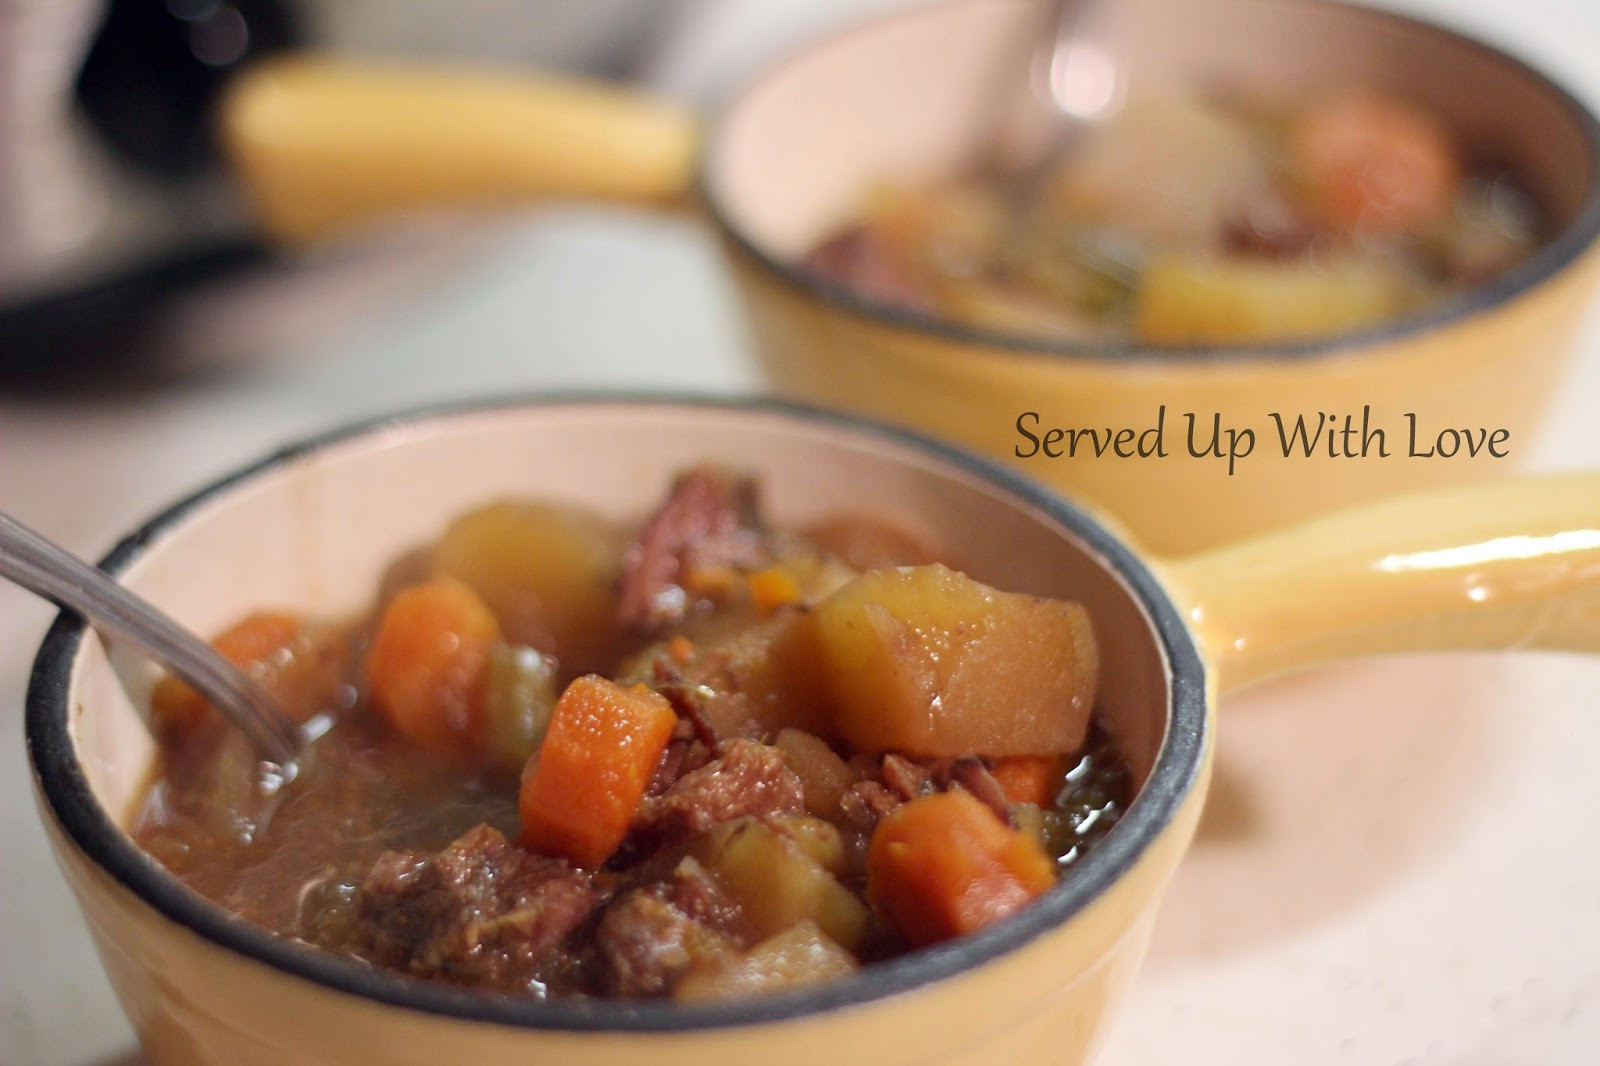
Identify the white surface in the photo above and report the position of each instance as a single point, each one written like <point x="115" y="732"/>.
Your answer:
<point x="1398" y="867"/>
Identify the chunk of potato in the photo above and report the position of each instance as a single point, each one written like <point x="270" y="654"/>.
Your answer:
<point x="823" y="774"/>
<point x="760" y="678"/>
<point x="1169" y="171"/>
<point x="546" y="571"/>
<point x="778" y="884"/>
<point x="800" y="955"/>
<point x="1199" y="299"/>
<point x="820" y="840"/>
<point x="926" y="661"/>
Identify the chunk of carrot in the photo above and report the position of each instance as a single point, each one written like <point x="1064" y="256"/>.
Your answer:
<point x="1368" y="161"/>
<point x="772" y="588"/>
<point x="944" y="865"/>
<point x="1027" y="778"/>
<point x="250" y="643"/>
<point x="580" y="789"/>
<point x="428" y="666"/>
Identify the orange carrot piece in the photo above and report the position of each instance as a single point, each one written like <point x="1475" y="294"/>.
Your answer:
<point x="772" y="588"/>
<point x="1372" y="162"/>
<point x="944" y="865"/>
<point x="580" y="789"/>
<point x="1027" y="778"/>
<point x="428" y="665"/>
<point x="250" y="642"/>
<point x="681" y="648"/>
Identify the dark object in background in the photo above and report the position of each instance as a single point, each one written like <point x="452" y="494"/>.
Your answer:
<point x="148" y="85"/>
<point x="155" y="69"/>
<point x="106" y="335"/>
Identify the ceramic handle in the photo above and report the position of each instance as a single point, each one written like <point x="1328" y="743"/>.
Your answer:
<point x="321" y="145"/>
<point x="1513" y="563"/>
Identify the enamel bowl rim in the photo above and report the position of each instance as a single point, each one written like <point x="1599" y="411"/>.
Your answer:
<point x="1548" y="261"/>
<point x="68" y="798"/>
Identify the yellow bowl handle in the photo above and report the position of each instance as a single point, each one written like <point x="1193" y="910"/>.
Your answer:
<point x="321" y="145"/>
<point x="1512" y="563"/>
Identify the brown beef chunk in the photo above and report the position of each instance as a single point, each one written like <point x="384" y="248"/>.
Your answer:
<point x="647" y="939"/>
<point x="745" y="778"/>
<point x="864" y="803"/>
<point x="481" y="912"/>
<point x="708" y="521"/>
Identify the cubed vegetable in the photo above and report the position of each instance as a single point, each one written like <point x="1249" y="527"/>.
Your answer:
<point x="1188" y="298"/>
<point x="521" y="694"/>
<point x="252" y="643"/>
<point x="1028" y="778"/>
<point x="1365" y="161"/>
<point x="797" y="956"/>
<point x="944" y="865"/>
<point x="771" y="588"/>
<point x="759" y="679"/>
<point x="819" y="839"/>
<point x="580" y="789"/>
<point x="822" y="773"/>
<point x="428" y="665"/>
<point x="1170" y="170"/>
<point x="926" y="661"/>
<point x="778" y="885"/>
<point x="547" y="572"/>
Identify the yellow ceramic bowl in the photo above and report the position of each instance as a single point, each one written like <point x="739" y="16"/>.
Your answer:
<point x="313" y="527"/>
<point x="790" y="157"/>
<point x="322" y="145"/>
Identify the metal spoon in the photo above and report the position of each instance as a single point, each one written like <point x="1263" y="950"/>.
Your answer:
<point x="45" y="568"/>
<point x="1074" y="77"/>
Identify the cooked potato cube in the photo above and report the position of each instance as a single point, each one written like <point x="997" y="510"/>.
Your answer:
<point x="823" y="774"/>
<point x="779" y="885"/>
<point x="818" y="839"/>
<point x="800" y="955"/>
<point x="926" y="661"/>
<point x="1198" y="299"/>
<point x="547" y="573"/>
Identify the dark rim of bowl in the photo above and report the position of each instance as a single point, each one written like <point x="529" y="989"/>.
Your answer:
<point x="69" y="798"/>
<point x="1548" y="260"/>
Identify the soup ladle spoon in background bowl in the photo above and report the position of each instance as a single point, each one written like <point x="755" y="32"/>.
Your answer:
<point x="41" y="566"/>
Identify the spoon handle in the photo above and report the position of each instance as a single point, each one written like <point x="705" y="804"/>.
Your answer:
<point x="40" y="566"/>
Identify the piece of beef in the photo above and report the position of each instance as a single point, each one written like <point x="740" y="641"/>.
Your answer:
<point x="645" y="940"/>
<point x="865" y="802"/>
<point x="862" y="260"/>
<point x="972" y="774"/>
<point x="481" y="912"/>
<point x="746" y="778"/>
<point x="701" y="896"/>
<point x="905" y="777"/>
<point x="708" y="521"/>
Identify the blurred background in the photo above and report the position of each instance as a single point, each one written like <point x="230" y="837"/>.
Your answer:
<point x="117" y="214"/>
<point x="149" y="341"/>
<point x="124" y="246"/>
